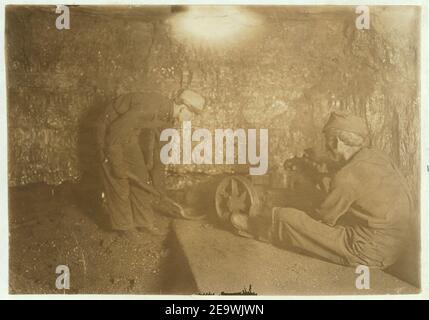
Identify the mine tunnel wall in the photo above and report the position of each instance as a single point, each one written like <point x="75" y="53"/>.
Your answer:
<point x="302" y="64"/>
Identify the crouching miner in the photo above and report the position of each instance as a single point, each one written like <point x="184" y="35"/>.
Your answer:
<point x="129" y="144"/>
<point x="365" y="217"/>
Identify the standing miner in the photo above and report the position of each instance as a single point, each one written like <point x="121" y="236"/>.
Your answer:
<point x="128" y="143"/>
<point x="365" y="216"/>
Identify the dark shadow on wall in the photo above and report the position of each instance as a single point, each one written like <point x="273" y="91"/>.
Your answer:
<point x="88" y="191"/>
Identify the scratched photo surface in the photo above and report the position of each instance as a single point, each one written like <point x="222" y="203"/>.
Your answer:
<point x="213" y="150"/>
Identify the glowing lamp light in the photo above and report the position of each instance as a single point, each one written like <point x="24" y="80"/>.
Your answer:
<point x="214" y="25"/>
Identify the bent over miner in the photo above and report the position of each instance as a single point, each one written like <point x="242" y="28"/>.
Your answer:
<point x="368" y="191"/>
<point x="129" y="144"/>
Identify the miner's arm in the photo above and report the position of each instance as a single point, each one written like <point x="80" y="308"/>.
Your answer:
<point x="311" y="166"/>
<point x="108" y="116"/>
<point x="341" y="196"/>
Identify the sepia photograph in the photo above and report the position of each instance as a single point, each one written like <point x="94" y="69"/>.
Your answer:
<point x="223" y="150"/>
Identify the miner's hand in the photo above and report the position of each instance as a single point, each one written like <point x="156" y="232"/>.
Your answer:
<point x="306" y="166"/>
<point x="303" y="163"/>
<point x="101" y="155"/>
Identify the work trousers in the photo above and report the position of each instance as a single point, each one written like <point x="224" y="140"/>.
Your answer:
<point x="127" y="204"/>
<point x="345" y="245"/>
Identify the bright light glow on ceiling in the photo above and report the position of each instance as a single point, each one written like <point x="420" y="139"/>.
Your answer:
<point x="215" y="25"/>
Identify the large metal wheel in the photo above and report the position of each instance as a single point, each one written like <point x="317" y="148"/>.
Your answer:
<point x="235" y="194"/>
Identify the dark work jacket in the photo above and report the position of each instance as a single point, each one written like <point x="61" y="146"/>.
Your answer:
<point x="138" y="111"/>
<point x="371" y="190"/>
<point x="125" y="118"/>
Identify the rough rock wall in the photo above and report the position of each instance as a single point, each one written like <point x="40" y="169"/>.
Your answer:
<point x="302" y="64"/>
<point x="55" y="79"/>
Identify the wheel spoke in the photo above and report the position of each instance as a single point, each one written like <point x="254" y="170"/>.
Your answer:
<point x="224" y="194"/>
<point x="234" y="188"/>
<point x="242" y="200"/>
<point x="243" y="196"/>
<point x="235" y="194"/>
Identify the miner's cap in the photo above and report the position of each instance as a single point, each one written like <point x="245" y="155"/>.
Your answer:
<point x="193" y="100"/>
<point x="347" y="122"/>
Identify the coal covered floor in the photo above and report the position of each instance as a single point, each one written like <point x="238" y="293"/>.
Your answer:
<point x="51" y="226"/>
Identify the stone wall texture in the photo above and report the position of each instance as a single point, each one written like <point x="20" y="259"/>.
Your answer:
<point x="302" y="64"/>
<point x="298" y="65"/>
